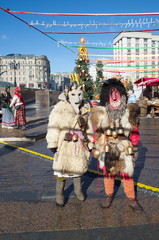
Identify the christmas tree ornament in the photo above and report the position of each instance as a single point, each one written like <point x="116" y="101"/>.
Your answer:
<point x="82" y="40"/>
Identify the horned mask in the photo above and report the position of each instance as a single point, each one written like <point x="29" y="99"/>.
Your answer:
<point x="114" y="98"/>
<point x="74" y="95"/>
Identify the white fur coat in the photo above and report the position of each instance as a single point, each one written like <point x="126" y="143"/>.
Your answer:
<point x="71" y="157"/>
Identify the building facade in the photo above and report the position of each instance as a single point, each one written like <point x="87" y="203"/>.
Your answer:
<point x="58" y="81"/>
<point x="140" y="51"/>
<point x="25" y="70"/>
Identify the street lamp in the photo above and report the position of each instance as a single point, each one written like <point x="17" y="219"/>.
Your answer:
<point x="14" y="66"/>
<point x="2" y="72"/>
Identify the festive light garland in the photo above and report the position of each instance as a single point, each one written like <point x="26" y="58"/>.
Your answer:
<point x="124" y="61"/>
<point x="116" y="47"/>
<point x="144" y="30"/>
<point x="135" y="70"/>
<point x="132" y="66"/>
<point x="129" y="23"/>
<point x="88" y="43"/>
<point x="85" y="14"/>
<point x="112" y="55"/>
<point x="36" y="29"/>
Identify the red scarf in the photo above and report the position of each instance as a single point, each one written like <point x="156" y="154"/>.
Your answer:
<point x="20" y="97"/>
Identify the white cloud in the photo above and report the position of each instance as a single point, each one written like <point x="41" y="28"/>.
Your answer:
<point x="4" y="37"/>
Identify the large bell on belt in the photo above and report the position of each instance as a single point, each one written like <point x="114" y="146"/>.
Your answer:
<point x="74" y="138"/>
<point x="107" y="148"/>
<point x="114" y="134"/>
<point x="96" y="153"/>
<point x="120" y="130"/>
<point x="109" y="132"/>
<point x="130" y="150"/>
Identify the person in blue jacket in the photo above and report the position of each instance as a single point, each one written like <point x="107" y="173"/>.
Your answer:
<point x="131" y="96"/>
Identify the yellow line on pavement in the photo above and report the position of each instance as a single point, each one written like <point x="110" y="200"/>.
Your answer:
<point x="147" y="187"/>
<point x="29" y="151"/>
<point x="154" y="189"/>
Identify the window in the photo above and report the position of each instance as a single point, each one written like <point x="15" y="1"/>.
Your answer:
<point x="128" y="51"/>
<point x="137" y="51"/>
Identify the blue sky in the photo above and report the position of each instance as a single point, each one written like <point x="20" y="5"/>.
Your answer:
<point x="17" y="37"/>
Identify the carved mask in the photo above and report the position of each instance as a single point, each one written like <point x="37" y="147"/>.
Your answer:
<point x="75" y="97"/>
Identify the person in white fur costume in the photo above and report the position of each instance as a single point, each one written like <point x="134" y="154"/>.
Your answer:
<point x="117" y="137"/>
<point x="70" y="137"/>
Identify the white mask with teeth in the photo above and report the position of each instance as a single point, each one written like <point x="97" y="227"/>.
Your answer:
<point x="75" y="97"/>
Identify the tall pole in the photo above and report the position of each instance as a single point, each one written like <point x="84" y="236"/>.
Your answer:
<point x="14" y="66"/>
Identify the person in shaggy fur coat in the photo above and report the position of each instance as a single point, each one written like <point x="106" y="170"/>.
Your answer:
<point x="117" y="136"/>
<point x="70" y="138"/>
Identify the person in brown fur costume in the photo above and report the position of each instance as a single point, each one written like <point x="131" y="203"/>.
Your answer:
<point x="70" y="138"/>
<point x="117" y="137"/>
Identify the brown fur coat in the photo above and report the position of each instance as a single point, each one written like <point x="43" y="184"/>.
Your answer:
<point x="117" y="159"/>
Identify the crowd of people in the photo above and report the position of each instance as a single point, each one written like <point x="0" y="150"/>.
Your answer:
<point x="13" y="109"/>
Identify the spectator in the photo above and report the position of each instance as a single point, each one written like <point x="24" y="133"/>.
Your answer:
<point x="7" y="114"/>
<point x="131" y="97"/>
<point x="18" y="103"/>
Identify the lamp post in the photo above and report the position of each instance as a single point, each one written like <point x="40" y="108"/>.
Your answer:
<point x="14" y="66"/>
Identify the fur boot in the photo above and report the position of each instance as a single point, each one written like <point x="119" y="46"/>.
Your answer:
<point x="133" y="203"/>
<point x="78" y="188"/>
<point x="106" y="203"/>
<point x="60" y="185"/>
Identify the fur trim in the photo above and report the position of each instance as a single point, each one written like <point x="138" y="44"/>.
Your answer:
<point x="134" y="112"/>
<point x="129" y="166"/>
<point x="99" y="117"/>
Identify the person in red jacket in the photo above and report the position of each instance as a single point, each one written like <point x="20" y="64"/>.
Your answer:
<point x="18" y="103"/>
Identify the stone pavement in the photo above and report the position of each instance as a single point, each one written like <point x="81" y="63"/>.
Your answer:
<point x="37" y="120"/>
<point x="27" y="194"/>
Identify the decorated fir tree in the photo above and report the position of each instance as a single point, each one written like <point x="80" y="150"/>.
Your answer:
<point x="99" y="78"/>
<point x="82" y="69"/>
<point x="128" y="84"/>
